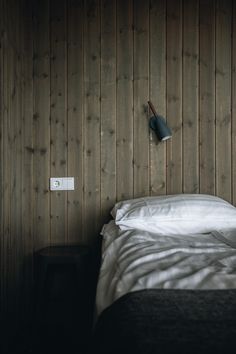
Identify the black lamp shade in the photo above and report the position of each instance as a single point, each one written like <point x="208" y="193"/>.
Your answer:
<point x="158" y="124"/>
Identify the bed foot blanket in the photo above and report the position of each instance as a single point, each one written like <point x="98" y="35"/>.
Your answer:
<point x="168" y="321"/>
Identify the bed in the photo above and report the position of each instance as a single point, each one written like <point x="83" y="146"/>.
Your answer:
<point x="167" y="282"/>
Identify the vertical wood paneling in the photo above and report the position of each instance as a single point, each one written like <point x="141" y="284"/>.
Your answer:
<point x="2" y="141"/>
<point x="5" y="117"/>
<point x="124" y="107"/>
<point x="10" y="255"/>
<point x="58" y="117"/>
<point x="108" y="106"/>
<point x="157" y="77"/>
<point x="207" y="96"/>
<point x="223" y="99"/>
<point x="91" y="119"/>
<point x="174" y="95"/>
<point x="1" y="152"/>
<point x="141" y="96"/>
<point x="5" y="174"/>
<point x="41" y="119"/>
<point x="74" y="86"/>
<point x="26" y="275"/>
<point x="75" y="118"/>
<point x="15" y="166"/>
<point x="190" y="97"/>
<point x="233" y="103"/>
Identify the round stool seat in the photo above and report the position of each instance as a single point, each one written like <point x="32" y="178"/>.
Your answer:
<point x="54" y="261"/>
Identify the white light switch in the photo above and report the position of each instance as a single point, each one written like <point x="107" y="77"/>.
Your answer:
<point x="62" y="183"/>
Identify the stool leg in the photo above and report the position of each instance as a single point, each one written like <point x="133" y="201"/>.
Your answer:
<point x="41" y="286"/>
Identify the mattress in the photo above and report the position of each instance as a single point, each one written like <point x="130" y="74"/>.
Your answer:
<point x="134" y="260"/>
<point x="167" y="282"/>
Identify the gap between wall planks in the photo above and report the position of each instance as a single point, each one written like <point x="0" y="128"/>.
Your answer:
<point x="190" y="96"/>
<point x="141" y="96"/>
<point x="41" y="122"/>
<point x="26" y="271"/>
<point x="174" y="95"/>
<point x="75" y="118"/>
<point x="92" y="121"/>
<point x="124" y="99"/>
<point x="157" y="92"/>
<point x="233" y="102"/>
<point x="15" y="166"/>
<point x="2" y="153"/>
<point x="108" y="107"/>
<point x="207" y="96"/>
<point x="1" y="150"/>
<point x="59" y="122"/>
<point x="223" y="98"/>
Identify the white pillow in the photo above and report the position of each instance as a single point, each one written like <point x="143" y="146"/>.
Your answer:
<point x="175" y="214"/>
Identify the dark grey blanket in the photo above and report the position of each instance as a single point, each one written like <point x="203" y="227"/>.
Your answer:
<point x="168" y="321"/>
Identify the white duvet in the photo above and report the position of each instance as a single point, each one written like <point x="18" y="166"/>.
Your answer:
<point x="135" y="260"/>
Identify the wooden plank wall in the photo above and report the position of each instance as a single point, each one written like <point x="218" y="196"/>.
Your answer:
<point x="75" y="79"/>
<point x="17" y="150"/>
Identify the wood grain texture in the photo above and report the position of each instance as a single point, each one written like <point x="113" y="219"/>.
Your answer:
<point x="15" y="166"/>
<point x="108" y="106"/>
<point x="11" y="194"/>
<point x="92" y="121"/>
<point x="233" y="102"/>
<point x="41" y="123"/>
<point x="174" y="95"/>
<point x="59" y="141"/>
<point x="74" y="83"/>
<point x="27" y="207"/>
<point x="141" y="96"/>
<point x="223" y="99"/>
<point x="207" y="96"/>
<point x="5" y="58"/>
<point x="75" y="118"/>
<point x="190" y="96"/>
<point x="157" y="92"/>
<point x="1" y="154"/>
<point x="124" y="96"/>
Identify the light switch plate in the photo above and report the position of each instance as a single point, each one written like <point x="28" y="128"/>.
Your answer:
<point x="62" y="183"/>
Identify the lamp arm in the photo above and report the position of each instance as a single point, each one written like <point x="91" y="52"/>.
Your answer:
<point x="152" y="108"/>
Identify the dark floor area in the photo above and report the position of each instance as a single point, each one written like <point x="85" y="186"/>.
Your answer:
<point x="49" y="338"/>
<point x="62" y="318"/>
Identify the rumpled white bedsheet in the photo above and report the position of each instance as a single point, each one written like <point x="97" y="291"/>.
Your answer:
<point x="135" y="260"/>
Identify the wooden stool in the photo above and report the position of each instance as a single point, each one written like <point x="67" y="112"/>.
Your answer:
<point x="77" y="256"/>
<point x="64" y="323"/>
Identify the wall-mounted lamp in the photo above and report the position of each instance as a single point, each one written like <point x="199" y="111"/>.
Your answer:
<point x="158" y="124"/>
